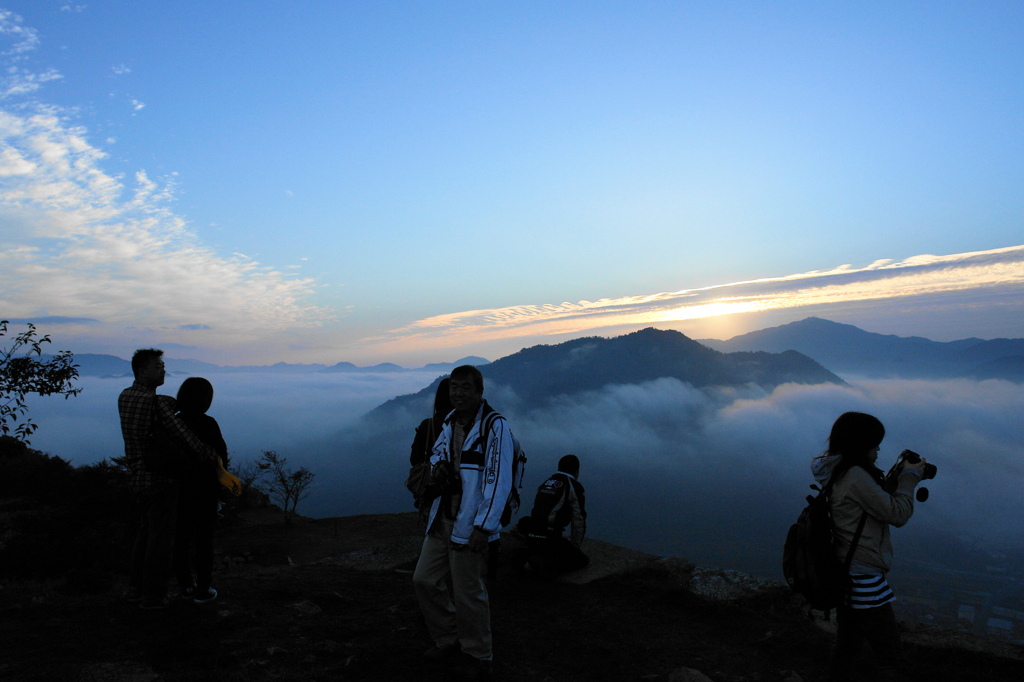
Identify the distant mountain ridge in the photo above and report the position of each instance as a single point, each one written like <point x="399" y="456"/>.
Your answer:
<point x="847" y="349"/>
<point x="100" y="365"/>
<point x="591" y="362"/>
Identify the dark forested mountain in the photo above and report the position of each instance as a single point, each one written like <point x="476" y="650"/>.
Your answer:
<point x="847" y="349"/>
<point x="586" y="364"/>
<point x="541" y="373"/>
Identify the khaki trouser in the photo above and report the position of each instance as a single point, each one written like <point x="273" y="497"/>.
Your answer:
<point x="464" y="614"/>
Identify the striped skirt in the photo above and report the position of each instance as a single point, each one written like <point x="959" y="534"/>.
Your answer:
<point x="869" y="591"/>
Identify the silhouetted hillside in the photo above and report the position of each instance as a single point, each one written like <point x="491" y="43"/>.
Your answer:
<point x="332" y="599"/>
<point x="55" y="517"/>
<point x="845" y="348"/>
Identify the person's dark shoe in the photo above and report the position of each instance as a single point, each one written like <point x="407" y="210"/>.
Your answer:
<point x="437" y="655"/>
<point x="187" y="593"/>
<point x="469" y="668"/>
<point x="207" y="597"/>
<point x="134" y="596"/>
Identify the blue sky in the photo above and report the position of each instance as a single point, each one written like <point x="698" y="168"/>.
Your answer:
<point x="412" y="182"/>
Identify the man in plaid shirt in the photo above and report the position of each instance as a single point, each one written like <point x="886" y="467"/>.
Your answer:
<point x="156" y="495"/>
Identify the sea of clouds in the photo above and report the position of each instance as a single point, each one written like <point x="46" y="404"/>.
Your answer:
<point x="714" y="476"/>
<point x="256" y="411"/>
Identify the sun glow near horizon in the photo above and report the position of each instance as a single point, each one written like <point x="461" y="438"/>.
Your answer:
<point x="718" y="309"/>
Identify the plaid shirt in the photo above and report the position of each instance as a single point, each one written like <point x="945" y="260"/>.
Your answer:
<point x="135" y="405"/>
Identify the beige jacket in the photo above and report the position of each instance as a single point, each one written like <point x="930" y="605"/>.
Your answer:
<point x="857" y="492"/>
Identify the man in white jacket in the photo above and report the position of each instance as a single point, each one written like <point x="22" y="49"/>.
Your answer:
<point x="472" y="465"/>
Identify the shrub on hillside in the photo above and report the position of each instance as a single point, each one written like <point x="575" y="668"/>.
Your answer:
<point x="55" y="517"/>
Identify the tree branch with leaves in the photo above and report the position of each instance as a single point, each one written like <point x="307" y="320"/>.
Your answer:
<point x="21" y="374"/>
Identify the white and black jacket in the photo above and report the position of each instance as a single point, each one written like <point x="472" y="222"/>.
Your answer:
<point x="485" y="469"/>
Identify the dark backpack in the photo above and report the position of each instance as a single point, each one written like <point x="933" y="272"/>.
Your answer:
<point x="419" y="481"/>
<point x="553" y="492"/>
<point x="809" y="562"/>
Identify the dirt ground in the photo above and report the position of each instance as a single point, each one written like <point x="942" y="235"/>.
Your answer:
<point x="332" y="599"/>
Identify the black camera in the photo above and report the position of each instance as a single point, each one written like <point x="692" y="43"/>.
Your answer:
<point x="909" y="457"/>
<point x="444" y="479"/>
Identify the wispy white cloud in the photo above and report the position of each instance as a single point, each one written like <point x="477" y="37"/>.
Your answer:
<point x="22" y="39"/>
<point x="17" y="43"/>
<point x="80" y="242"/>
<point x="997" y="270"/>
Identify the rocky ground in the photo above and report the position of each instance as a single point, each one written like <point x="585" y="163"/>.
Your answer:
<point x="331" y="599"/>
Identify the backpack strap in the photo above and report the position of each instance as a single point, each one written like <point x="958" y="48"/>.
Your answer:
<point x="486" y="422"/>
<point x="853" y="545"/>
<point x="430" y="439"/>
<point x="565" y="497"/>
<point x="827" y="492"/>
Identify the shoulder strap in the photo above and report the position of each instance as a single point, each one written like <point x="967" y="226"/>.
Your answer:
<point x="430" y="439"/>
<point x="853" y="545"/>
<point x="486" y="422"/>
<point x="566" y="483"/>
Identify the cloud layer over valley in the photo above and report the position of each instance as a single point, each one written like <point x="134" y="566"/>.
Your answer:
<point x="715" y="476"/>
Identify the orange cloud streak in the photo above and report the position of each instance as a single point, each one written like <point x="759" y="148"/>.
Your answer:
<point x="882" y="280"/>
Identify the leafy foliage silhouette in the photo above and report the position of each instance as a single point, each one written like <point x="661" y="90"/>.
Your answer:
<point x="22" y="374"/>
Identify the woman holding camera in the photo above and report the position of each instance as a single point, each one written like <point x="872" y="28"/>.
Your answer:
<point x="859" y="503"/>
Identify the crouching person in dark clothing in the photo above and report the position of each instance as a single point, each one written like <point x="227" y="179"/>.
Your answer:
<point x="560" y="502"/>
